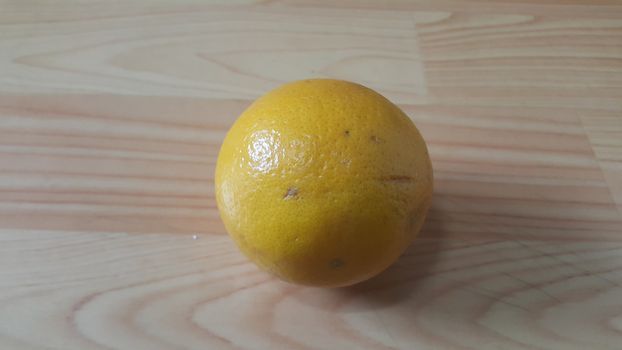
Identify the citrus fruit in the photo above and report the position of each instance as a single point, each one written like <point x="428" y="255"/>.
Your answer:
<point x="323" y="182"/>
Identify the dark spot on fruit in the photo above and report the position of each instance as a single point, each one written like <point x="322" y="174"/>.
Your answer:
<point x="336" y="263"/>
<point x="347" y="132"/>
<point x="291" y="193"/>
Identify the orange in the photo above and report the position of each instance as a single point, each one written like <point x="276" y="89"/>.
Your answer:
<point x="323" y="182"/>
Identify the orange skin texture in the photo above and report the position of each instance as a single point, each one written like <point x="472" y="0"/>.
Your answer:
<point x="323" y="182"/>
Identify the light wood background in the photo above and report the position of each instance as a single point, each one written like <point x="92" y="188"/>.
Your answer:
<point x="111" y="116"/>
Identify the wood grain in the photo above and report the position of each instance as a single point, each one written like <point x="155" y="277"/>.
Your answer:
<point x="112" y="113"/>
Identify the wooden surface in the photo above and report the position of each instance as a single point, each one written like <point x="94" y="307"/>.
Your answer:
<point x="112" y="112"/>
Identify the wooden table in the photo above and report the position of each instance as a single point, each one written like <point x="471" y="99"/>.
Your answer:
<point x="111" y="116"/>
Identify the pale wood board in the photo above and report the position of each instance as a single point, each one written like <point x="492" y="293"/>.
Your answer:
<point x="112" y="113"/>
